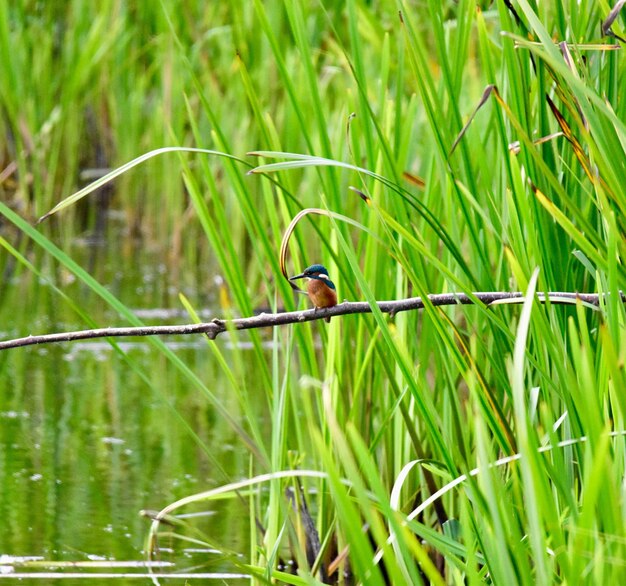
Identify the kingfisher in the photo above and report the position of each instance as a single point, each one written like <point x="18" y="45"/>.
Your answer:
<point x="320" y="288"/>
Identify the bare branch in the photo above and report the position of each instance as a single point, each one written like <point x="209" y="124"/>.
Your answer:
<point x="264" y="320"/>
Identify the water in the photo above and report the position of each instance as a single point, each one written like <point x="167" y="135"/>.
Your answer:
<point x="89" y="437"/>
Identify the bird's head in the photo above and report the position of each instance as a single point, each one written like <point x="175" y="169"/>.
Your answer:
<point x="318" y="272"/>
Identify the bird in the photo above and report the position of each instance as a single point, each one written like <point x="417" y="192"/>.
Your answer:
<point x="320" y="289"/>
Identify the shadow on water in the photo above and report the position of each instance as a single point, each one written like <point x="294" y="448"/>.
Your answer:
<point x="87" y="442"/>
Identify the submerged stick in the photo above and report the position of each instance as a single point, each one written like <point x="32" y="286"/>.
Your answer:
<point x="264" y="320"/>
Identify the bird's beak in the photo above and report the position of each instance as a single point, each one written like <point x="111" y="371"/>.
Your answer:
<point x="300" y="276"/>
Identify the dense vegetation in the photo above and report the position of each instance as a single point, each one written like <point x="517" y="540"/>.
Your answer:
<point x="518" y="411"/>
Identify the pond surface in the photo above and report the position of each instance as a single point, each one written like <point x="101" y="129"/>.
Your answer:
<point x="90" y="436"/>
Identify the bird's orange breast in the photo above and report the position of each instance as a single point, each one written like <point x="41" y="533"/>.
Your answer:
<point x="321" y="294"/>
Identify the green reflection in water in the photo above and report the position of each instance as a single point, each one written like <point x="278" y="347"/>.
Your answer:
<point x="85" y="443"/>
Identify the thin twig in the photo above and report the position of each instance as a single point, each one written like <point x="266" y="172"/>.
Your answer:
<point x="264" y="320"/>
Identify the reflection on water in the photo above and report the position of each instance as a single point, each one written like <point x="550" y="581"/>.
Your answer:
<point x="102" y="350"/>
<point x="89" y="436"/>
